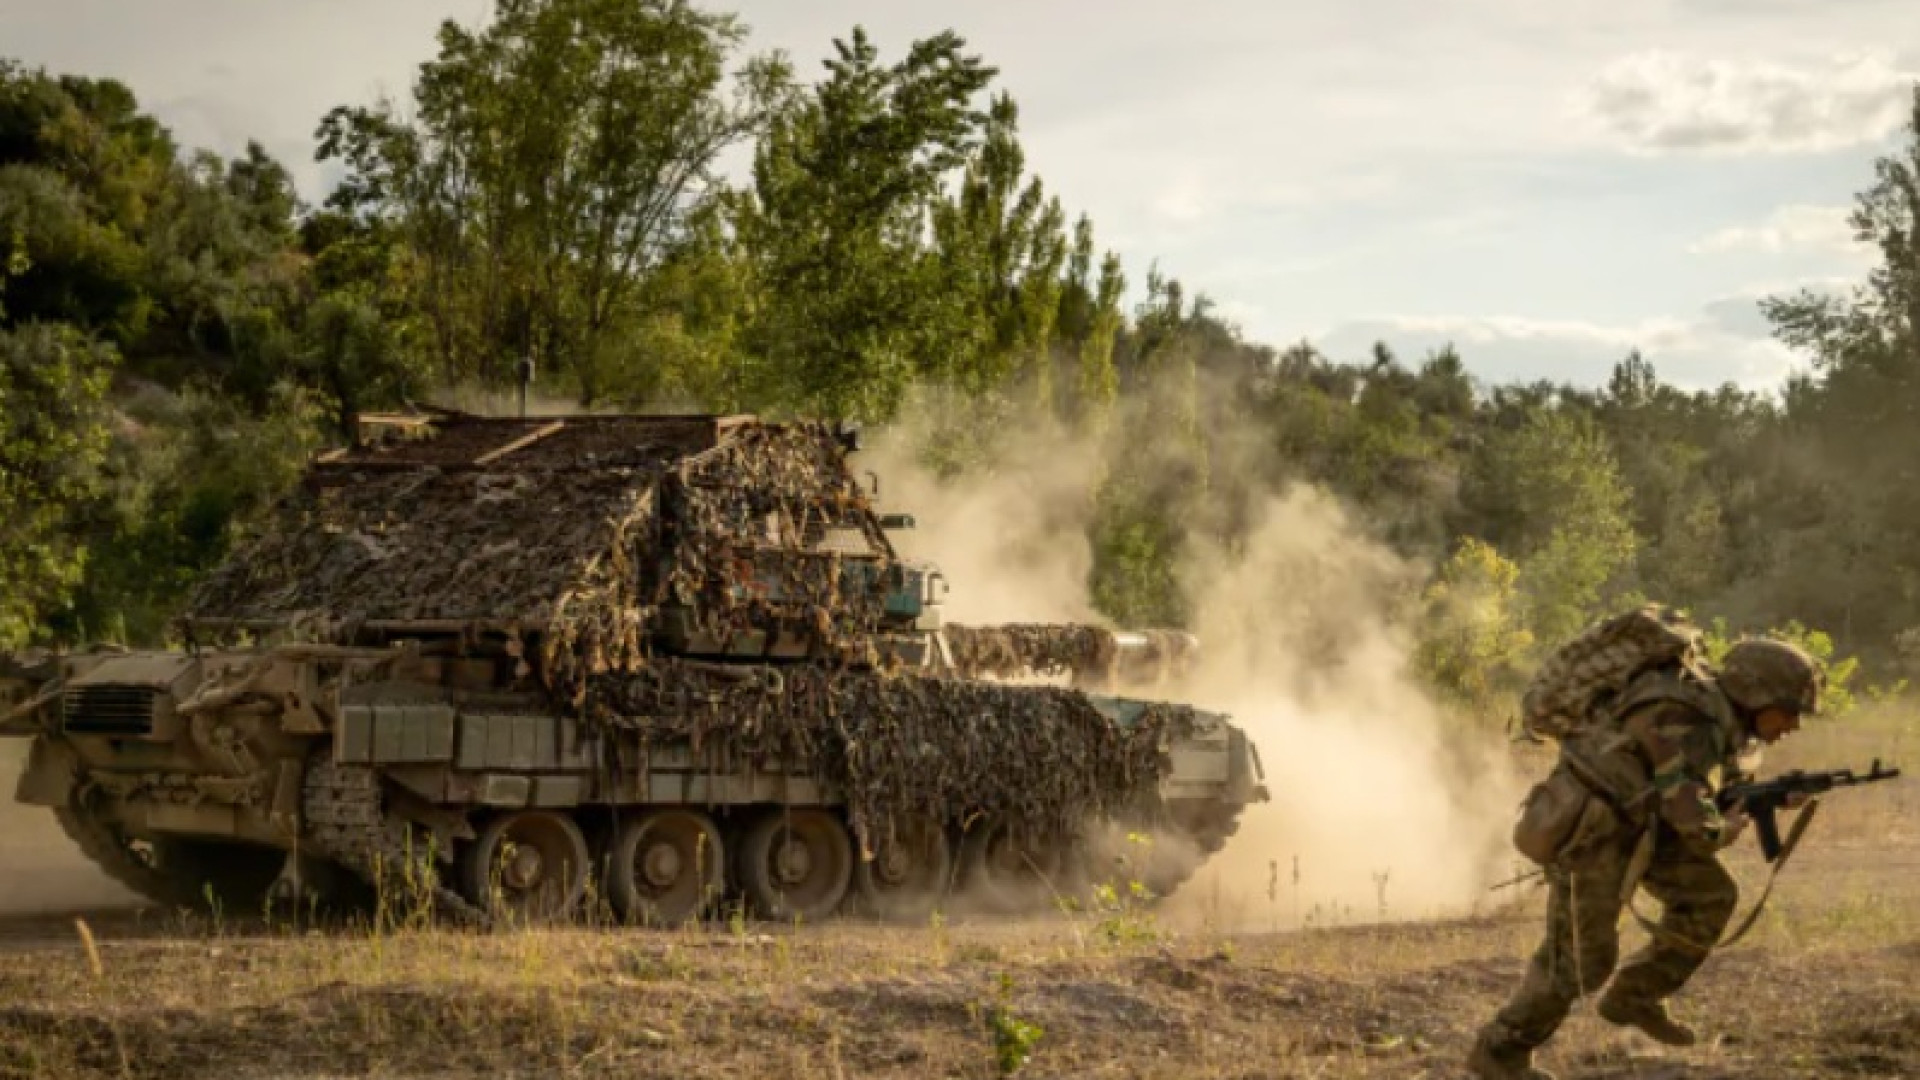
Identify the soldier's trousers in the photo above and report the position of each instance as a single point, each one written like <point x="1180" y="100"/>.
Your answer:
<point x="1582" y="940"/>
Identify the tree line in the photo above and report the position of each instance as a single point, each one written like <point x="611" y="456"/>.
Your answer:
<point x="179" y="331"/>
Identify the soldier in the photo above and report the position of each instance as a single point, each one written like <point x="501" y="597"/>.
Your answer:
<point x="1675" y="738"/>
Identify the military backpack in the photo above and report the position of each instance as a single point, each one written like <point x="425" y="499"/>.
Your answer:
<point x="1581" y="683"/>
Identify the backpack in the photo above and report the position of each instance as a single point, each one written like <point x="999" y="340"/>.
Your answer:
<point x="1577" y="686"/>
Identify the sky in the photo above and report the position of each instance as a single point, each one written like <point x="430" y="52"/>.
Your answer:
<point x="1544" y="185"/>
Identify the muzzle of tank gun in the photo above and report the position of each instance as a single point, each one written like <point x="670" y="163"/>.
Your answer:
<point x="1153" y="656"/>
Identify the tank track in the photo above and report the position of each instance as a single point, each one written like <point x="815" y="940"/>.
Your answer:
<point x="105" y="850"/>
<point x="345" y="822"/>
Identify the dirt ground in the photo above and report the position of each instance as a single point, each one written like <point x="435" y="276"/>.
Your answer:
<point x="1828" y="985"/>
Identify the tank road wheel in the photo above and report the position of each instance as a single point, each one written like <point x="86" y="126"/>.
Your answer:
<point x="1008" y="873"/>
<point x="796" y="864"/>
<point x="907" y="876"/>
<point x="665" y="867"/>
<point x="529" y="865"/>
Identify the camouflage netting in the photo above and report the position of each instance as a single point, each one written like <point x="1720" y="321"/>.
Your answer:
<point x="751" y="536"/>
<point x="425" y="546"/>
<point x="581" y="530"/>
<point x="603" y="537"/>
<point x="758" y="533"/>
<point x="456" y="527"/>
<point x="1042" y="758"/>
<point x="1016" y="650"/>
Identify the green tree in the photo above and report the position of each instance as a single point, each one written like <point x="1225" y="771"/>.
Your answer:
<point x="1005" y="244"/>
<point x="1090" y="316"/>
<point x="551" y="165"/>
<point x="1549" y="491"/>
<point x="1856" y="415"/>
<point x="1473" y="644"/>
<point x="172" y="502"/>
<point x="53" y="438"/>
<point x="855" y="303"/>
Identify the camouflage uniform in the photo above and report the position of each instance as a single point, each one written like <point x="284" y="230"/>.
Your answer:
<point x="1677" y="739"/>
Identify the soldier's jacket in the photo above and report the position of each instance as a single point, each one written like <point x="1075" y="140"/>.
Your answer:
<point x="1669" y="751"/>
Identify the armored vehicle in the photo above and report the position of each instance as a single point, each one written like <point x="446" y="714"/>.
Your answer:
<point x="660" y="661"/>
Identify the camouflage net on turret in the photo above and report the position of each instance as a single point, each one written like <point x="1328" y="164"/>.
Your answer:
<point x="579" y="531"/>
<point x="1042" y="758"/>
<point x="753" y="536"/>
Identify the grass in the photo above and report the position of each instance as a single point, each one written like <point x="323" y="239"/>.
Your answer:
<point x="1827" y="985"/>
<point x="1825" y="988"/>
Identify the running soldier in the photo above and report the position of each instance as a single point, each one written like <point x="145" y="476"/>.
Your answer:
<point x="1646" y="818"/>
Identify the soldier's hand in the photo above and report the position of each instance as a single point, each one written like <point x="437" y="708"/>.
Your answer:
<point x="1736" y="821"/>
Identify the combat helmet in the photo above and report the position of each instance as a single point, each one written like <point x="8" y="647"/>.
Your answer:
<point x="1759" y="673"/>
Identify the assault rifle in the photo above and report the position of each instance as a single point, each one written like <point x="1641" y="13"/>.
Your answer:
<point x="1761" y="799"/>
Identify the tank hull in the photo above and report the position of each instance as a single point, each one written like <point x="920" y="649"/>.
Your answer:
<point x="226" y="775"/>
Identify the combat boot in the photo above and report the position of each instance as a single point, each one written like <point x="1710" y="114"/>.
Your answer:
<point x="1647" y="1014"/>
<point x="1493" y="1059"/>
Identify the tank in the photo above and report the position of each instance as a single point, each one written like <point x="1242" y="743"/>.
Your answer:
<point x="647" y="664"/>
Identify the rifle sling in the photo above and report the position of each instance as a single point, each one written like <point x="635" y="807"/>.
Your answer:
<point x="1794" y="832"/>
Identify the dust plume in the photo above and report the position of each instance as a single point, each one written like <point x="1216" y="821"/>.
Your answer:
<point x="40" y="869"/>
<point x="1384" y="805"/>
<point x="1011" y="539"/>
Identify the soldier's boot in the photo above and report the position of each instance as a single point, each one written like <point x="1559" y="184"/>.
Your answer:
<point x="1647" y="1014"/>
<point x="1494" y="1058"/>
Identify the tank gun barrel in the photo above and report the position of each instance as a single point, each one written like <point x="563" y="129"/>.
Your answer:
<point x="1091" y="655"/>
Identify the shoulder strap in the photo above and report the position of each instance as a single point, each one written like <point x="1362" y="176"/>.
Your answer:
<point x="1679" y="685"/>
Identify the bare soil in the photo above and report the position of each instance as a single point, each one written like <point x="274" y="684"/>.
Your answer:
<point x="1828" y="986"/>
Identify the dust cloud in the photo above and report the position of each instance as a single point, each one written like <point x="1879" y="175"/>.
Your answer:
<point x="1011" y="541"/>
<point x="1383" y="806"/>
<point x="40" y="869"/>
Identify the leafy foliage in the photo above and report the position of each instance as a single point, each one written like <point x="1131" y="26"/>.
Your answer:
<point x="52" y="439"/>
<point x="1014" y="1036"/>
<point x="554" y="161"/>
<point x="1473" y="639"/>
<point x="179" y="332"/>
<point x="857" y="303"/>
<point x="1548" y="490"/>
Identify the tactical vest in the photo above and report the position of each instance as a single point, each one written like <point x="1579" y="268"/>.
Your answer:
<point x="1584" y="802"/>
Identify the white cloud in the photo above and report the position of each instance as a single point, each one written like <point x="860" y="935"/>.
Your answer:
<point x="1659" y="101"/>
<point x="1185" y="201"/>
<point x="1796" y="228"/>
<point x="1701" y="353"/>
